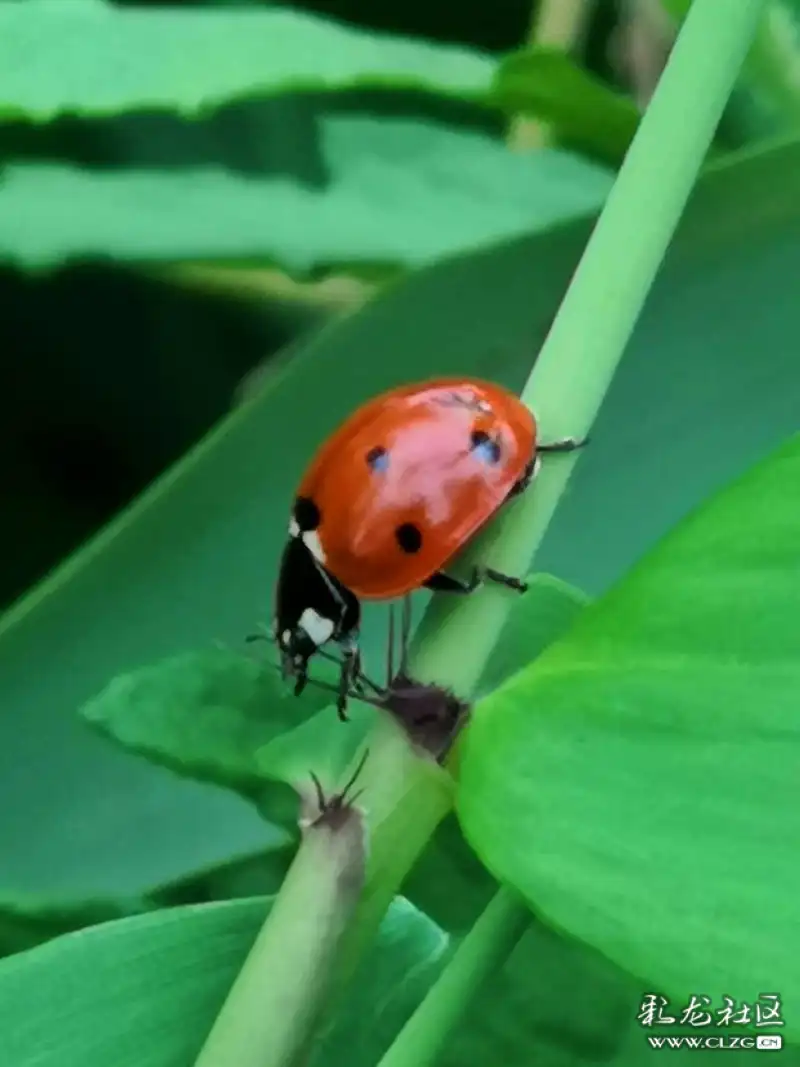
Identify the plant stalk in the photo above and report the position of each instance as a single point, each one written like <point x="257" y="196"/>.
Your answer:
<point x="568" y="383"/>
<point x="482" y="952"/>
<point x="554" y="24"/>
<point x="282" y="991"/>
<point x="585" y="345"/>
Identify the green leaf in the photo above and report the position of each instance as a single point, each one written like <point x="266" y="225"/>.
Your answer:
<point x="543" y="615"/>
<point x="89" y="58"/>
<point x="584" y="110"/>
<point x="204" y="715"/>
<point x="555" y="1001"/>
<point x="28" y="921"/>
<point x="320" y="744"/>
<point x="92" y="58"/>
<point x="449" y="882"/>
<point x="69" y="1003"/>
<point x="195" y="558"/>
<point x="638" y="783"/>
<point x="449" y="190"/>
<point x="392" y="979"/>
<point x="254" y="874"/>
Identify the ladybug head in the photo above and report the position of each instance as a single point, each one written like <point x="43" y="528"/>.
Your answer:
<point x="298" y="643"/>
<point x="311" y="608"/>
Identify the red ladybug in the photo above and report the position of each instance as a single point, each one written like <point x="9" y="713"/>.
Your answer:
<point x="388" y="501"/>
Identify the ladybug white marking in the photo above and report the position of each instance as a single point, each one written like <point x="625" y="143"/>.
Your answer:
<point x="310" y="539"/>
<point x="314" y="545"/>
<point x="318" y="628"/>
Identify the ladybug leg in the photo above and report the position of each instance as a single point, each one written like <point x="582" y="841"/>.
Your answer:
<point x="564" y="444"/>
<point x="348" y="676"/>
<point x="439" y="582"/>
<point x="405" y="635"/>
<point x="525" y="480"/>
<point x="446" y="583"/>
<point x="491" y="575"/>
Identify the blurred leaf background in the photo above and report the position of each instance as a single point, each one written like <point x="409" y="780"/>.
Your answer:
<point x="279" y="211"/>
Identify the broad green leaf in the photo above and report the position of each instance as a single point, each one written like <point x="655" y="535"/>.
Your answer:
<point x="69" y="1003"/>
<point x="543" y="614"/>
<point x="391" y="981"/>
<point x="203" y="714"/>
<point x="254" y="874"/>
<point x="88" y="57"/>
<point x="322" y="744"/>
<point x="584" y="110"/>
<point x="639" y="783"/>
<point x="449" y="190"/>
<point x="195" y="558"/>
<point x="26" y="921"/>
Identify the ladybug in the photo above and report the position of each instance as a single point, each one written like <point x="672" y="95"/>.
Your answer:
<point x="386" y="503"/>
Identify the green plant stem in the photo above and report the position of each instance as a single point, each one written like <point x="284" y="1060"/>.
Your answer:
<point x="282" y="991"/>
<point x="480" y="954"/>
<point x="578" y="360"/>
<point x="771" y="69"/>
<point x="405" y="798"/>
<point x="568" y="384"/>
<point x="554" y="24"/>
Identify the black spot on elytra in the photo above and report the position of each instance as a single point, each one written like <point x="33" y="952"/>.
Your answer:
<point x="485" y="446"/>
<point x="306" y="514"/>
<point x="378" y="458"/>
<point x="409" y="537"/>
